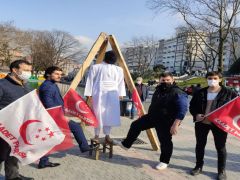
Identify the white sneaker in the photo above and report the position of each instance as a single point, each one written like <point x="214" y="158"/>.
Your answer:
<point x="119" y="143"/>
<point x="161" y="166"/>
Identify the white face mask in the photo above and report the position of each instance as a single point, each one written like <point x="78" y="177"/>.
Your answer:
<point x="237" y="89"/>
<point x="213" y="83"/>
<point x="25" y="75"/>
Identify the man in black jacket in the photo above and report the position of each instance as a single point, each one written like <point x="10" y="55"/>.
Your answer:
<point x="11" y="88"/>
<point x="168" y="108"/>
<point x="203" y="102"/>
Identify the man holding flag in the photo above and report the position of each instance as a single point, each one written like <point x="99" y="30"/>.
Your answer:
<point x="50" y="96"/>
<point x="203" y="102"/>
<point x="12" y="87"/>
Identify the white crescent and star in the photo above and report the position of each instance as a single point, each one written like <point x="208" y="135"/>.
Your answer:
<point x="78" y="107"/>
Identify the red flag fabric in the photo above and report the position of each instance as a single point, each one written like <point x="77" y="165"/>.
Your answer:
<point x="137" y="102"/>
<point x="75" y="105"/>
<point x="227" y="117"/>
<point x="57" y="114"/>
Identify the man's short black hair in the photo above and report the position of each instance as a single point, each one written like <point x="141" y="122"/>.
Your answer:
<point x="16" y="64"/>
<point x="50" y="70"/>
<point x="110" y="57"/>
<point x="214" y="73"/>
<point x="166" y="74"/>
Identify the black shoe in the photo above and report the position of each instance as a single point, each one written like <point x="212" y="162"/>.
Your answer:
<point x="196" y="171"/>
<point x="21" y="177"/>
<point x="91" y="148"/>
<point x="222" y="175"/>
<point x="50" y="164"/>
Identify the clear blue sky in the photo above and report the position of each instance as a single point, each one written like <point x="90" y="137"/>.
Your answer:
<point x="87" y="18"/>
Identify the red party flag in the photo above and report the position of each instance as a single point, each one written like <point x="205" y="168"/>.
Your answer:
<point x="227" y="117"/>
<point x="57" y="114"/>
<point x="75" y="105"/>
<point x="137" y="102"/>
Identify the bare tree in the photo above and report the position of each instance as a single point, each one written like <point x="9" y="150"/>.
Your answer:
<point x="142" y="51"/>
<point x="219" y="14"/>
<point x="12" y="42"/>
<point x="54" y="48"/>
<point x="234" y="44"/>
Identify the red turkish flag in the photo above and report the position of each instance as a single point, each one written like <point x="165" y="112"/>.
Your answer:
<point x="75" y="105"/>
<point x="57" y="114"/>
<point x="137" y="102"/>
<point x="227" y="117"/>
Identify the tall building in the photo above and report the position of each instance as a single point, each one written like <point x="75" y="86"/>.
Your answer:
<point x="180" y="53"/>
<point x="186" y="52"/>
<point x="140" y="57"/>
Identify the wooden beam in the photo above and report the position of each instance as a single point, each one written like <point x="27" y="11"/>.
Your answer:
<point x="101" y="52"/>
<point x="87" y="62"/>
<point x="131" y="86"/>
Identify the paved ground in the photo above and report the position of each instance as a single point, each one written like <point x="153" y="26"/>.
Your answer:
<point x="138" y="163"/>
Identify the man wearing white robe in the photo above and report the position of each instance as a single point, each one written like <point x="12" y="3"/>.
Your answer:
<point x="105" y="84"/>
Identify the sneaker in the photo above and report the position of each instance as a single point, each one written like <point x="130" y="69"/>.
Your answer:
<point x="222" y="175"/>
<point x="119" y="143"/>
<point x="196" y="171"/>
<point x="161" y="166"/>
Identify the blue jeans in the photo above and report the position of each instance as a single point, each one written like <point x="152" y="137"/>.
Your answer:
<point x="133" y="109"/>
<point x="79" y="136"/>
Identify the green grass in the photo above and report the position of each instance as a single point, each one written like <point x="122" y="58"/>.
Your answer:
<point x="194" y="81"/>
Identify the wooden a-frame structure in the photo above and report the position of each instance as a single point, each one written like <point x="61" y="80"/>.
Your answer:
<point x="99" y="49"/>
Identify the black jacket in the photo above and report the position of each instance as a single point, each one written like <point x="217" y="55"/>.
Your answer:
<point x="144" y="90"/>
<point x="168" y="105"/>
<point x="199" y="100"/>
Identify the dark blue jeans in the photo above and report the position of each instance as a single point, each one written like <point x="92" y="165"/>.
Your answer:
<point x="78" y="134"/>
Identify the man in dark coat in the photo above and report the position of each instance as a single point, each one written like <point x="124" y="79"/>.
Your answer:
<point x="50" y="96"/>
<point x="164" y="119"/>
<point x="203" y="102"/>
<point x="13" y="87"/>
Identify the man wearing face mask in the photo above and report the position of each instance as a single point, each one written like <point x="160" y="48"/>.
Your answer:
<point x="142" y="90"/>
<point x="164" y="119"/>
<point x="237" y="89"/>
<point x="203" y="102"/>
<point x="13" y="87"/>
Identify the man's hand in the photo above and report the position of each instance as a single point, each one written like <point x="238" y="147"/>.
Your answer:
<point x="174" y="127"/>
<point x="89" y="101"/>
<point x="200" y="117"/>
